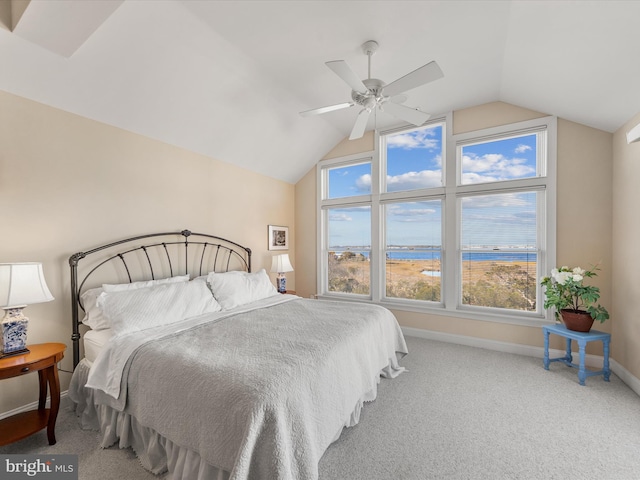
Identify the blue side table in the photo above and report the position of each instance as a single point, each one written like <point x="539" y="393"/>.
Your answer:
<point x="582" y="338"/>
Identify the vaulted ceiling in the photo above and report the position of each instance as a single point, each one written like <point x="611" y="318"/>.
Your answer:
<point x="227" y="79"/>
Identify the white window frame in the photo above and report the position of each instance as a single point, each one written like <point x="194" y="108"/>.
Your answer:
<point x="325" y="204"/>
<point x="452" y="191"/>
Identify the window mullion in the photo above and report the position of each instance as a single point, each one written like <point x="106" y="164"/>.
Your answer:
<point x="450" y="245"/>
<point x="377" y="271"/>
<point x="321" y="231"/>
<point x="345" y="202"/>
<point x="322" y="269"/>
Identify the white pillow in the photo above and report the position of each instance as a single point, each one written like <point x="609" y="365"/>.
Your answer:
<point x="134" y="310"/>
<point x="233" y="289"/>
<point x="93" y="316"/>
<point x="121" y="287"/>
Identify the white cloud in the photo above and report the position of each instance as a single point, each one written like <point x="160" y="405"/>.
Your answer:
<point x="468" y="178"/>
<point x="413" y="180"/>
<point x="484" y="163"/>
<point x="363" y="182"/>
<point x="522" y="148"/>
<point x="494" y="167"/>
<point x="410" y="212"/>
<point x="518" y="171"/>
<point x="405" y="181"/>
<point x="417" y="139"/>
<point x="401" y="212"/>
<point x="340" y="217"/>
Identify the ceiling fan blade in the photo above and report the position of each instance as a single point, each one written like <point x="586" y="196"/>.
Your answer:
<point x="407" y="114"/>
<point x="330" y="108"/>
<point x="398" y="98"/>
<point x="425" y="74"/>
<point x="343" y="70"/>
<point x="360" y="125"/>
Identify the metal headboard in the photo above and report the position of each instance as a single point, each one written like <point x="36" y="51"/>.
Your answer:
<point x="169" y="254"/>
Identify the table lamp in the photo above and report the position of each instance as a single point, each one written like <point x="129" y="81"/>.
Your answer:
<point x="21" y="284"/>
<point x="281" y="264"/>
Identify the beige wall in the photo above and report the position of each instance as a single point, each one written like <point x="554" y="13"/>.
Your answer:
<point x="68" y="183"/>
<point x="585" y="203"/>
<point x="350" y="147"/>
<point x="306" y="241"/>
<point x="626" y="256"/>
<point x="583" y="214"/>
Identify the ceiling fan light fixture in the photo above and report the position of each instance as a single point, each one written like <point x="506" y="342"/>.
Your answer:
<point x="370" y="103"/>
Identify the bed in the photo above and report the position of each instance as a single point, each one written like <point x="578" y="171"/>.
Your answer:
<point x="206" y="371"/>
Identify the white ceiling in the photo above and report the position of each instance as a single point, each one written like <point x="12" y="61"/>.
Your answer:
<point x="227" y="78"/>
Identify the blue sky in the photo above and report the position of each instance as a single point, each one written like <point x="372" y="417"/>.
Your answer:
<point x="414" y="160"/>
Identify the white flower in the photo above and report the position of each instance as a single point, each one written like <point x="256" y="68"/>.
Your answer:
<point x="576" y="277"/>
<point x="578" y="271"/>
<point x="562" y="277"/>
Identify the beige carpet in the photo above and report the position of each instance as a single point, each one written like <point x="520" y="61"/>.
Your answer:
<point x="458" y="413"/>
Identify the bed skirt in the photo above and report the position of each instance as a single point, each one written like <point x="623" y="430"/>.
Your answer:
<point x="155" y="452"/>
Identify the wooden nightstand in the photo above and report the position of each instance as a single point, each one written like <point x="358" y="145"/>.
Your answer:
<point x="42" y="358"/>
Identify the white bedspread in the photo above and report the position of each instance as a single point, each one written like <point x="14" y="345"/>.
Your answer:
<point x="106" y="372"/>
<point x="264" y="392"/>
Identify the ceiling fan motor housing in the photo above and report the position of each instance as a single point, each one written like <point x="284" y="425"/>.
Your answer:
<point x="373" y="96"/>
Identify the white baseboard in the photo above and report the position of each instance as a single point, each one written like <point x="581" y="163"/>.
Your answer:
<point x="626" y="376"/>
<point x="30" y="406"/>
<point x="515" y="348"/>
<point x="528" y="350"/>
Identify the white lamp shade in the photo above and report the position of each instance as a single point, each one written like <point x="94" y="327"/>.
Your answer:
<point x="281" y="264"/>
<point x="22" y="284"/>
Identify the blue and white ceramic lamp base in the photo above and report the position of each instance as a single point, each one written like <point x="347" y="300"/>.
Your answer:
<point x="281" y="282"/>
<point x="14" y="332"/>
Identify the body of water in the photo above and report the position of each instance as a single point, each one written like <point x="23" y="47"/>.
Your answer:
<point x="490" y="256"/>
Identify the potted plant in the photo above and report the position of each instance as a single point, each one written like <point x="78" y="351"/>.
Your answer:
<point x="574" y="301"/>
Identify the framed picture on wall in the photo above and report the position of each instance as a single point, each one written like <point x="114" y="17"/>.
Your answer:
<point x="278" y="238"/>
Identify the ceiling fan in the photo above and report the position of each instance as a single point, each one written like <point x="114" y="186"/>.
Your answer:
<point x="375" y="94"/>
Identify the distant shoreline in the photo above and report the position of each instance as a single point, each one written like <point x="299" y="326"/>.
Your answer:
<point x="491" y="256"/>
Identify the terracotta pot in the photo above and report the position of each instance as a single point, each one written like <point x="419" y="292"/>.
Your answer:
<point x="576" y="320"/>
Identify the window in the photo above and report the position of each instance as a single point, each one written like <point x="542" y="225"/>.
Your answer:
<point x="349" y="231"/>
<point x="349" y="181"/>
<point x="458" y="225"/>
<point x="499" y="160"/>
<point x="413" y="250"/>
<point x="499" y="250"/>
<point x="413" y="158"/>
